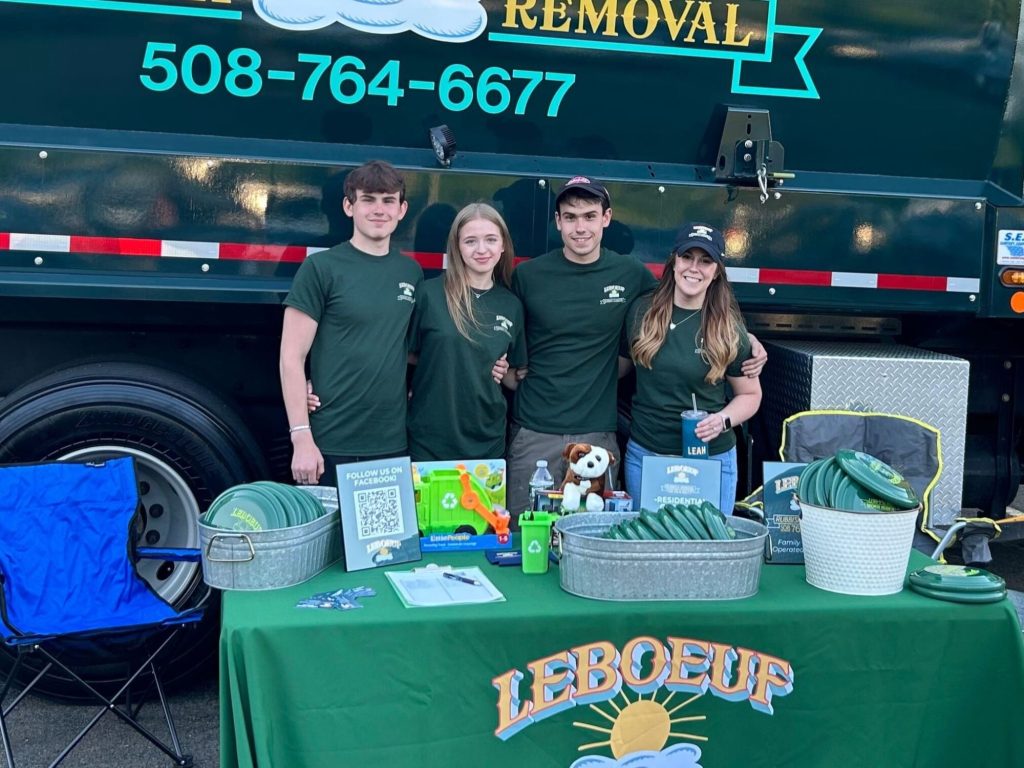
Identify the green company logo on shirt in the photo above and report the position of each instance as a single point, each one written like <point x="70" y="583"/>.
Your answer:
<point x="614" y="294"/>
<point x="406" y="292"/>
<point x="504" y="325"/>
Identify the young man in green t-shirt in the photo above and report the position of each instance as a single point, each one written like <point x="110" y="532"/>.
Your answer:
<point x="348" y="310"/>
<point x="575" y="300"/>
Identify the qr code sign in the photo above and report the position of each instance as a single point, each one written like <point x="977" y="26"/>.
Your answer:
<point x="379" y="512"/>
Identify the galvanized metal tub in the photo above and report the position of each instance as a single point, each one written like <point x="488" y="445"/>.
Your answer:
<point x="256" y="560"/>
<point x="612" y="569"/>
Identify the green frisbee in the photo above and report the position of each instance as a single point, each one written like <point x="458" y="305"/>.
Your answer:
<point x="807" y="486"/>
<point x="310" y="504"/>
<point x="215" y="505"/>
<point x="957" y="578"/>
<point x="276" y="501"/>
<point x="244" y="509"/>
<point x="854" y="497"/>
<point x="838" y="479"/>
<point x="303" y="504"/>
<point x="316" y="504"/>
<point x="878" y="477"/>
<point x="823" y="481"/>
<point x="207" y="516"/>
<point x="292" y="513"/>
<point x="960" y="597"/>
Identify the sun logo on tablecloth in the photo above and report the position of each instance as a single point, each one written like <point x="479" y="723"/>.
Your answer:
<point x="643" y="725"/>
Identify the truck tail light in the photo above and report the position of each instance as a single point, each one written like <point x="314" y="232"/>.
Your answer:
<point x="1012" y="278"/>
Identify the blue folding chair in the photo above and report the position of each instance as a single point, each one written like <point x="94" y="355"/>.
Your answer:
<point x="67" y="575"/>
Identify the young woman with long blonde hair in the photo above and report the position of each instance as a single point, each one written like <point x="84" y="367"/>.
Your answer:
<point x="687" y="339"/>
<point x="464" y="321"/>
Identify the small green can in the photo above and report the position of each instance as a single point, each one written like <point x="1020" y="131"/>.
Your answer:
<point x="536" y="540"/>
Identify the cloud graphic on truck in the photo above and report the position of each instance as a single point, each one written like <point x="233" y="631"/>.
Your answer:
<point x="451" y="21"/>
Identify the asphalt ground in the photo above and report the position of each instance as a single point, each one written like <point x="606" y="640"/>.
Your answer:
<point x="41" y="727"/>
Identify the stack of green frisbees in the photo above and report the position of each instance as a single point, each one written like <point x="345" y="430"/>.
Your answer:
<point x="958" y="583"/>
<point x="675" y="522"/>
<point x="262" y="506"/>
<point x="854" y="481"/>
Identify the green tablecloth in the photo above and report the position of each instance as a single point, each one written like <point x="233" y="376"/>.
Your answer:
<point x="901" y="680"/>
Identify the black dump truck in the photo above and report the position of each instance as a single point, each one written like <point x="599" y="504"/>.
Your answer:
<point x="165" y="165"/>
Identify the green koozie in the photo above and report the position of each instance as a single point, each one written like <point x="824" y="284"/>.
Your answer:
<point x="535" y="530"/>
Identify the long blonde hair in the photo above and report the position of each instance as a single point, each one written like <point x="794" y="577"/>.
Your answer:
<point x="458" y="292"/>
<point x="720" y="322"/>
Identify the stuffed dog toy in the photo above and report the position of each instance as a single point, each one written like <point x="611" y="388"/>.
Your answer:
<point x="586" y="477"/>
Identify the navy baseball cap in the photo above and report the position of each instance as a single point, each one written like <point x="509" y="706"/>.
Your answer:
<point x="697" y="235"/>
<point x="585" y="184"/>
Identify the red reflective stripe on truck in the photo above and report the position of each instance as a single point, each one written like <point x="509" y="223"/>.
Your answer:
<point x="427" y="260"/>
<point x="260" y="252"/>
<point x="794" y="277"/>
<point x="132" y="246"/>
<point x="118" y="246"/>
<point x="912" y="282"/>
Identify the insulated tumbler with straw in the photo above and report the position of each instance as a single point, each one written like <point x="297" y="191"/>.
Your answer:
<point x="693" y="446"/>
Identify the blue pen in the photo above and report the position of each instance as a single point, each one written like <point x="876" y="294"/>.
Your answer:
<point x="463" y="579"/>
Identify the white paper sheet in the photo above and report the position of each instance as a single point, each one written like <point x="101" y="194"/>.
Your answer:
<point x="429" y="586"/>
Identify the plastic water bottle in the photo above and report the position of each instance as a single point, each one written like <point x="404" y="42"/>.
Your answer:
<point x="541" y="481"/>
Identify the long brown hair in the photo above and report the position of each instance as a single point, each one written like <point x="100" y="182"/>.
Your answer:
<point x="457" y="290"/>
<point x="720" y="322"/>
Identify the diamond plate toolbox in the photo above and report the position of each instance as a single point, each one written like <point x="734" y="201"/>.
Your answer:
<point x="878" y="378"/>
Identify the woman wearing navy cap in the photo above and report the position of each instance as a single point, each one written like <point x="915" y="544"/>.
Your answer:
<point x="686" y="339"/>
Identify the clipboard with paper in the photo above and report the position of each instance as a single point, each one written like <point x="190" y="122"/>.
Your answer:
<point x="435" y="585"/>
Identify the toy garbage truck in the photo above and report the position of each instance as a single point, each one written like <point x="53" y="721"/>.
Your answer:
<point x="455" y="501"/>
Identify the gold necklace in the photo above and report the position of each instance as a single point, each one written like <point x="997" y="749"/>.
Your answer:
<point x="672" y="326"/>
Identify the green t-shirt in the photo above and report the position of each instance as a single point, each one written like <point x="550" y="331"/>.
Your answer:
<point x="663" y="391"/>
<point x="574" y="319"/>
<point x="457" y="411"/>
<point x="363" y="304"/>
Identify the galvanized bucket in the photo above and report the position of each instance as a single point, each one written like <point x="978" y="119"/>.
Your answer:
<point x="271" y="559"/>
<point x="612" y="569"/>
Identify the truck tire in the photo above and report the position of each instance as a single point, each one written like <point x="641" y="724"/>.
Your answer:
<point x="188" y="446"/>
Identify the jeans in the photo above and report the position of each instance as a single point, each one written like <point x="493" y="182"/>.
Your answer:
<point x="634" y="464"/>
